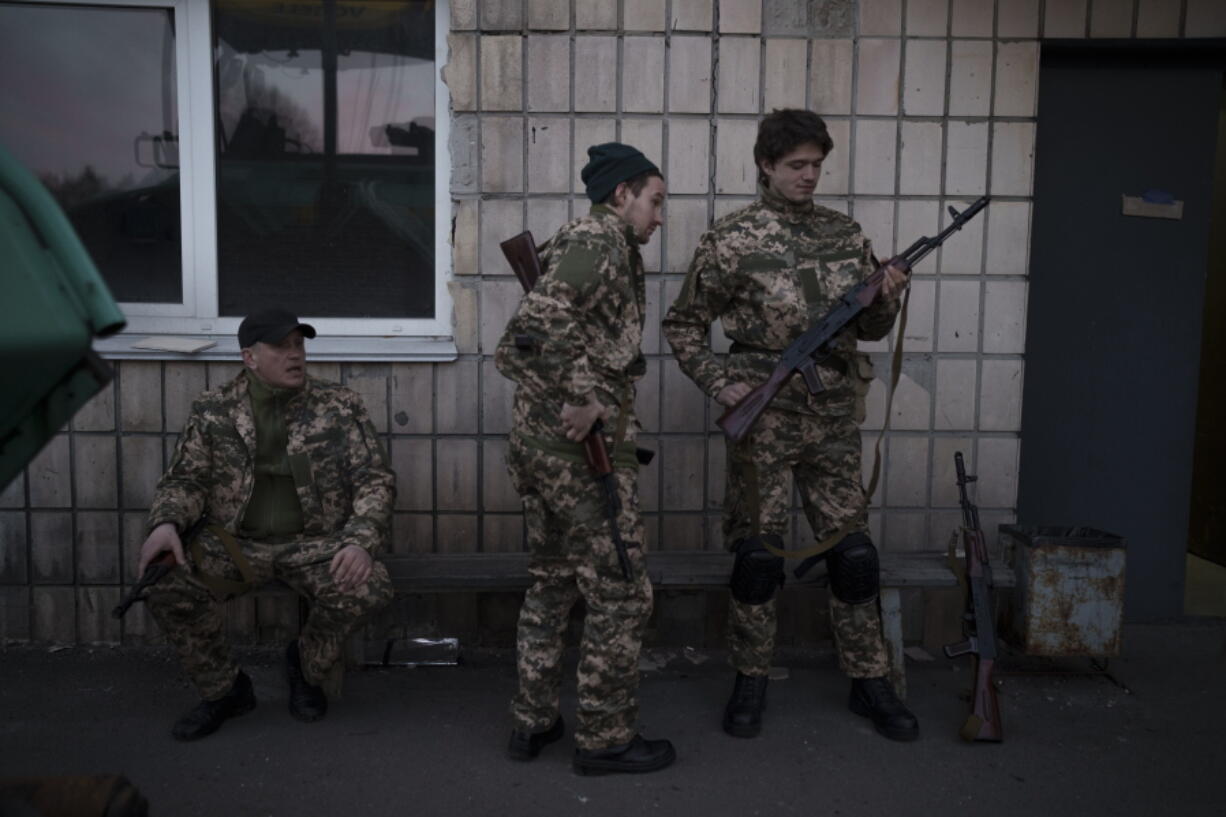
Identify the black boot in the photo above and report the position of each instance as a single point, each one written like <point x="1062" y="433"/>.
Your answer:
<point x="307" y="702"/>
<point x="207" y="716"/>
<point x="743" y="714"/>
<point x="875" y="698"/>
<point x="527" y="745"/>
<point x="637" y="756"/>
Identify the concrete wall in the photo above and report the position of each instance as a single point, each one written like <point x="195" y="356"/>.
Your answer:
<point x="929" y="101"/>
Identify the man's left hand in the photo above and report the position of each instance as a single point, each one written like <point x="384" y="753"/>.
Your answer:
<point x="897" y="277"/>
<point x="351" y="568"/>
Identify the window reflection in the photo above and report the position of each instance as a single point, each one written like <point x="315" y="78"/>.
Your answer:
<point x="325" y="149"/>
<point x="87" y="102"/>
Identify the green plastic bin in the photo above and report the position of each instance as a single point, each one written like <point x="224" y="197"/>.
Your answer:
<point x="52" y="304"/>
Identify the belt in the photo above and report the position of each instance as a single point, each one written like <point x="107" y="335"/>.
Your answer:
<point x="830" y="362"/>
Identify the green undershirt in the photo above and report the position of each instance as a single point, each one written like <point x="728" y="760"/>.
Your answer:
<point x="274" y="509"/>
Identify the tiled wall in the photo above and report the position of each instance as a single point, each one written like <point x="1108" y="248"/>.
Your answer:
<point x="930" y="102"/>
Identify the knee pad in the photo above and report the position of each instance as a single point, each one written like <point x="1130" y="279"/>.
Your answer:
<point x="757" y="573"/>
<point x="855" y="575"/>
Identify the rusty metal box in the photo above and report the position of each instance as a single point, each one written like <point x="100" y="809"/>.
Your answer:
<point x="1070" y="589"/>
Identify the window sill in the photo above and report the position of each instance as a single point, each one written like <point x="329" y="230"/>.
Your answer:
<point x="333" y="348"/>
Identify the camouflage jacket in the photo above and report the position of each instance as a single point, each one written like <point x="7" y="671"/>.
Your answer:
<point x="340" y="471"/>
<point x="769" y="271"/>
<point x="585" y="318"/>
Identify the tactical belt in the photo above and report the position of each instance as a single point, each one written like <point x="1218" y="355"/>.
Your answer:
<point x="830" y="362"/>
<point x="622" y="455"/>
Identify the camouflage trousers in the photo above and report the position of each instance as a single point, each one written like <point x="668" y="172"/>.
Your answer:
<point x="822" y="455"/>
<point x="573" y="557"/>
<point x="191" y="615"/>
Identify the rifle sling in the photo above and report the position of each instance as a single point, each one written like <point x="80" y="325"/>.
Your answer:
<point x="622" y="455"/>
<point x="220" y="587"/>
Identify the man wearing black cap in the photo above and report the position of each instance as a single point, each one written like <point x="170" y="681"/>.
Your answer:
<point x="573" y="350"/>
<point x="278" y="476"/>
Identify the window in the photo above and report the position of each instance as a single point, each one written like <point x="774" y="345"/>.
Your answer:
<point x="219" y="157"/>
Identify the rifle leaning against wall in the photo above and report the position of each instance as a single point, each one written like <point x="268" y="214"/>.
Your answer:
<point x="978" y="623"/>
<point x="814" y="345"/>
<point x="520" y="252"/>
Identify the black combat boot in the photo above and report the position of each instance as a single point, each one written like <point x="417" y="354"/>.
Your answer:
<point x="207" y="716"/>
<point x="307" y="702"/>
<point x="527" y="745"/>
<point x="743" y="714"/>
<point x="637" y="756"/>
<point x="875" y="698"/>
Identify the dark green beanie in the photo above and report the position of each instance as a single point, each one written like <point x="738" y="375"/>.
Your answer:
<point x="609" y="165"/>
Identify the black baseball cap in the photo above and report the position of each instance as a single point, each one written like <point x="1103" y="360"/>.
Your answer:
<point x="270" y="326"/>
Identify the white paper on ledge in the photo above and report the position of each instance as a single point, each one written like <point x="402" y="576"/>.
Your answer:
<point x="170" y="343"/>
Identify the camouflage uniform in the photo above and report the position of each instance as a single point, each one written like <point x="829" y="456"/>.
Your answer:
<point x="344" y="487"/>
<point x="768" y="272"/>
<point x="585" y="318"/>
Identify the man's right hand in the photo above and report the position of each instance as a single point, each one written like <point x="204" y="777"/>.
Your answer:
<point x="732" y="394"/>
<point x="165" y="537"/>
<point x="577" y="421"/>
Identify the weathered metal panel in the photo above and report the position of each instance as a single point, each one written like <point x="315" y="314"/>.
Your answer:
<point x="1070" y="589"/>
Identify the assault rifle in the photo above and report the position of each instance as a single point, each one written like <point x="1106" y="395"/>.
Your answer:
<point x="978" y="624"/>
<point x="520" y="252"/>
<point x="814" y="345"/>
<point x="156" y="570"/>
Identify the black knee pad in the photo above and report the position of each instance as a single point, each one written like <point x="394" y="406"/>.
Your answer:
<point x="855" y="575"/>
<point x="757" y="573"/>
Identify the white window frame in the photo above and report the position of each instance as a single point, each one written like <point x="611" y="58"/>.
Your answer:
<point x="339" y="338"/>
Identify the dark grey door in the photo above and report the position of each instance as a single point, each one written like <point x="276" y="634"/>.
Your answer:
<point x="1115" y="304"/>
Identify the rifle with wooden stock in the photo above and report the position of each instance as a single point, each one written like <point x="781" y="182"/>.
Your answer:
<point x="978" y="623"/>
<point x="814" y="345"/>
<point x="157" y="568"/>
<point x="520" y="252"/>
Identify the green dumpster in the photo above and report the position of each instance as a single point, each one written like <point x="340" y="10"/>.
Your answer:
<point x="53" y="304"/>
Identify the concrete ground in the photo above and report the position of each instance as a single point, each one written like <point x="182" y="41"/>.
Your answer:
<point x="1149" y="739"/>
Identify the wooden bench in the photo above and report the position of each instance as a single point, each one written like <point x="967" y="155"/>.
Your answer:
<point x="694" y="570"/>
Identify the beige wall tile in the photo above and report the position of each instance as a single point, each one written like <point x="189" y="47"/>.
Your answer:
<point x="971" y="18"/>
<point x="970" y="78"/>
<point x="456" y="474"/>
<point x="98" y="413"/>
<point x="500" y="219"/>
<point x="595" y="83"/>
<point x="503" y="533"/>
<point x="51" y="547"/>
<point x="595" y="14"/>
<point x="927" y="18"/>
<point x="997" y="463"/>
<point x="907" y="473"/>
<point x="95" y="624"/>
<point x="646" y="134"/>
<point x="54" y="615"/>
<point x="464" y="145"/>
<point x="1111" y="18"/>
<point x="1008" y="237"/>
<point x="734" y="167"/>
<point x="497" y="393"/>
<point x="553" y="15"/>
<point x="642" y="74"/>
<point x="499" y="300"/>
<point x="740" y="17"/>
<point x="589" y="132"/>
<point x="905" y="532"/>
<point x="502" y="154"/>
<point x="958" y="310"/>
<point x="785" y="60"/>
<point x="142" y="468"/>
<point x="14" y="494"/>
<point x="682" y="458"/>
<point x="456" y="385"/>
<point x="13" y="566"/>
<point x="1205" y="18"/>
<point x="412" y="398"/>
<point x="683" y="402"/>
<point x="651" y="321"/>
<point x="877" y="64"/>
<point x="830" y="73"/>
<point x="413" y="462"/>
<point x="717" y="458"/>
<point x="548" y="155"/>
<point x="643" y="15"/>
<point x="956" y="392"/>
<point x="689" y="159"/>
<point x="501" y="16"/>
<point x="692" y="15"/>
<point x="686" y="220"/>
<point x="647" y="396"/>
<point x="94" y="471"/>
<point x="876" y="146"/>
<point x="98" y="547"/>
<point x="463" y="14"/>
<point x="546" y="216"/>
<point x="921" y="320"/>
<point x="689" y="75"/>
<point x="1017" y="78"/>
<point x="502" y="73"/>
<point x="1158" y="18"/>
<point x="739" y="62"/>
<point x="944" y="473"/>
<point x="920" y="160"/>
<point x="918" y="218"/>
<point x="912" y="406"/>
<point x="460" y="73"/>
<point x="1004" y="317"/>
<point x="876" y="220"/>
<point x="184" y="382"/>
<point x="966" y="158"/>
<point x="549" y="72"/>
<point x="1064" y="18"/>
<point x="836" y="170"/>
<point x="464" y="237"/>
<point x="681" y="531"/>
<point x="1012" y="158"/>
<point x="457" y="533"/>
<point x="464" y="315"/>
<point x="880" y="17"/>
<point x="1000" y="400"/>
<point x="962" y="254"/>
<point x="370" y="382"/>
<point x="1017" y="19"/>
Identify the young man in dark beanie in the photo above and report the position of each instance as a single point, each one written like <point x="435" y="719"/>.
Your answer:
<point x="767" y="271"/>
<point x="277" y="475"/>
<point x="573" y="350"/>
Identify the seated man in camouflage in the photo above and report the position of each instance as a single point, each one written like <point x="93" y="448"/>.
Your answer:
<point x="278" y="476"/>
